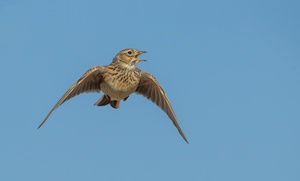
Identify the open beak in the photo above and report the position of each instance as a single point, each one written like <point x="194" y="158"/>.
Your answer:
<point x="141" y="52"/>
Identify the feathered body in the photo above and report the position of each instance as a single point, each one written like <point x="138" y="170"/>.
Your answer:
<point x="118" y="81"/>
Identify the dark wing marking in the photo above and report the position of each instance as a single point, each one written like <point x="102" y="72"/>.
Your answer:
<point x="151" y="89"/>
<point x="89" y="82"/>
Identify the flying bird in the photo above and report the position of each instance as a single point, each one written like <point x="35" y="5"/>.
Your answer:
<point x="118" y="81"/>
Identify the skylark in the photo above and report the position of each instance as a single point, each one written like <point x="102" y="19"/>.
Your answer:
<point x="118" y="81"/>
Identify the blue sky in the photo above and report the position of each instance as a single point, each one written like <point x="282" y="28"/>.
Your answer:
<point x="231" y="70"/>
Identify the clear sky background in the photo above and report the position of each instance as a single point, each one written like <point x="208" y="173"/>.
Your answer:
<point x="231" y="70"/>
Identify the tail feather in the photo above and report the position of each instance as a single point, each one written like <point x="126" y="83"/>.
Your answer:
<point x="115" y="104"/>
<point x="104" y="100"/>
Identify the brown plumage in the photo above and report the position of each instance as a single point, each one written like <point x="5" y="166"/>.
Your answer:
<point x="118" y="81"/>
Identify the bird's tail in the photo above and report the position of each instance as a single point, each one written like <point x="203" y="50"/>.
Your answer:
<point x="115" y="104"/>
<point x="105" y="99"/>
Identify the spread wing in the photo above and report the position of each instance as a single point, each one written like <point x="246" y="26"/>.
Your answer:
<point x="89" y="82"/>
<point x="151" y="89"/>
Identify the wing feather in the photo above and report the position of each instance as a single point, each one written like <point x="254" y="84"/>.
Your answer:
<point x="151" y="89"/>
<point x="88" y="82"/>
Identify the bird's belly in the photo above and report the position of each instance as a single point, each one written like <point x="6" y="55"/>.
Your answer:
<point x="117" y="90"/>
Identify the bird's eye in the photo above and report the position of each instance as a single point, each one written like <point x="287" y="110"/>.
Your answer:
<point x="129" y="52"/>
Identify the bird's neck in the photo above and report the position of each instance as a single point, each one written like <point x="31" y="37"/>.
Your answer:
<point x="130" y="65"/>
<point x="122" y="65"/>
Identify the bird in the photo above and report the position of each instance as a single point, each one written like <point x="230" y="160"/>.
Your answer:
<point x="118" y="81"/>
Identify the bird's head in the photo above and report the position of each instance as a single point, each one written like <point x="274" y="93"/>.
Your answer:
<point x="129" y="56"/>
